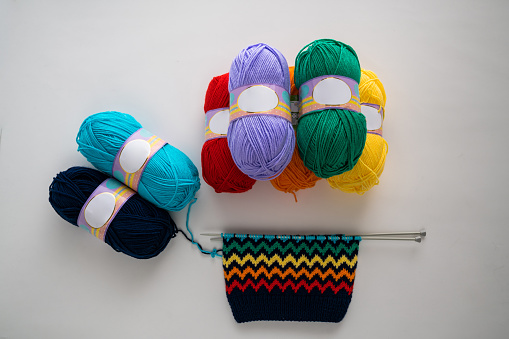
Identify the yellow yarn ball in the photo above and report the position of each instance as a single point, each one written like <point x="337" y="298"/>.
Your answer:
<point x="371" y="89"/>
<point x="370" y="166"/>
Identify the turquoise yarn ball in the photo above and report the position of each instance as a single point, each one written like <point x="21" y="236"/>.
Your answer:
<point x="170" y="179"/>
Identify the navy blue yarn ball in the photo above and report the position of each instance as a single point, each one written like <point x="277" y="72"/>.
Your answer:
<point x="140" y="229"/>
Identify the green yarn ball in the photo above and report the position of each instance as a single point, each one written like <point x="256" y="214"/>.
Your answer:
<point x="330" y="141"/>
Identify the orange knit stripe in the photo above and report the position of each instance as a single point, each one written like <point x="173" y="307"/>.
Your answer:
<point x="289" y="271"/>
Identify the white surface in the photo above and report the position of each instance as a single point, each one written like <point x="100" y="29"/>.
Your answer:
<point x="444" y="67"/>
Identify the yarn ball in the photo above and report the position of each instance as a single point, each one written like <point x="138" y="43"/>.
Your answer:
<point x="330" y="141"/>
<point x="139" y="229"/>
<point x="293" y="89"/>
<point x="367" y="171"/>
<point x="170" y="179"/>
<point x="261" y="145"/>
<point x="295" y="176"/>
<point x="218" y="168"/>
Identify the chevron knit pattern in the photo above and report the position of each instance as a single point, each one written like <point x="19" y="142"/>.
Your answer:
<point x="292" y="278"/>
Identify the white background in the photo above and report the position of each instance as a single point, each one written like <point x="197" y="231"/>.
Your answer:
<point x="444" y="66"/>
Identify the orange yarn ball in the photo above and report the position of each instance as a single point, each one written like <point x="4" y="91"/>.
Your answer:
<point x="293" y="89"/>
<point x="295" y="176"/>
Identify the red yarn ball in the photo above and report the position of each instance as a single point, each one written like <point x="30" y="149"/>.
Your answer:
<point x="218" y="169"/>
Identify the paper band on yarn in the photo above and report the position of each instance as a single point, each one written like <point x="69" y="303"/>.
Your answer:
<point x="102" y="206"/>
<point x="329" y="91"/>
<point x="134" y="155"/>
<point x="216" y="123"/>
<point x="294" y="108"/>
<point x="374" y="117"/>
<point x="260" y="99"/>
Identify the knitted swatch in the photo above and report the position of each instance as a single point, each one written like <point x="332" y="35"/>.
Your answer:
<point x="288" y="277"/>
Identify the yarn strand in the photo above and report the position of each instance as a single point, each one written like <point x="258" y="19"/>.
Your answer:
<point x="212" y="253"/>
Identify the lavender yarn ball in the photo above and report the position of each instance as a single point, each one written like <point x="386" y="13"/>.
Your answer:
<point x="261" y="145"/>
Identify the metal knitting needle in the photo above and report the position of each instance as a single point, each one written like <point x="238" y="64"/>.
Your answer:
<point x="416" y="239"/>
<point x="421" y="233"/>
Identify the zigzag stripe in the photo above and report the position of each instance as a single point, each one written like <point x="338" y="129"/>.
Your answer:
<point x="289" y="259"/>
<point x="336" y="249"/>
<point x="290" y="271"/>
<point x="294" y="287"/>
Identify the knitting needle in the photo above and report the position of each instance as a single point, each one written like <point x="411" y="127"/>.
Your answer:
<point x="416" y="239"/>
<point x="421" y="233"/>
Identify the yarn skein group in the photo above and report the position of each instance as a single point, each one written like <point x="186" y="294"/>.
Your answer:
<point x="261" y="145"/>
<point x="170" y="179"/>
<point x="295" y="176"/>
<point x="367" y="171"/>
<point x="218" y="168"/>
<point x="139" y="229"/>
<point x="330" y="141"/>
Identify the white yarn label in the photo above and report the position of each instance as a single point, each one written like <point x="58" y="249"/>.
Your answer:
<point x="258" y="99"/>
<point x="134" y="155"/>
<point x="100" y="209"/>
<point x="216" y="123"/>
<point x="332" y="91"/>
<point x="329" y="92"/>
<point x="219" y="122"/>
<point x="373" y="117"/>
<point x="102" y="206"/>
<point x="262" y="99"/>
